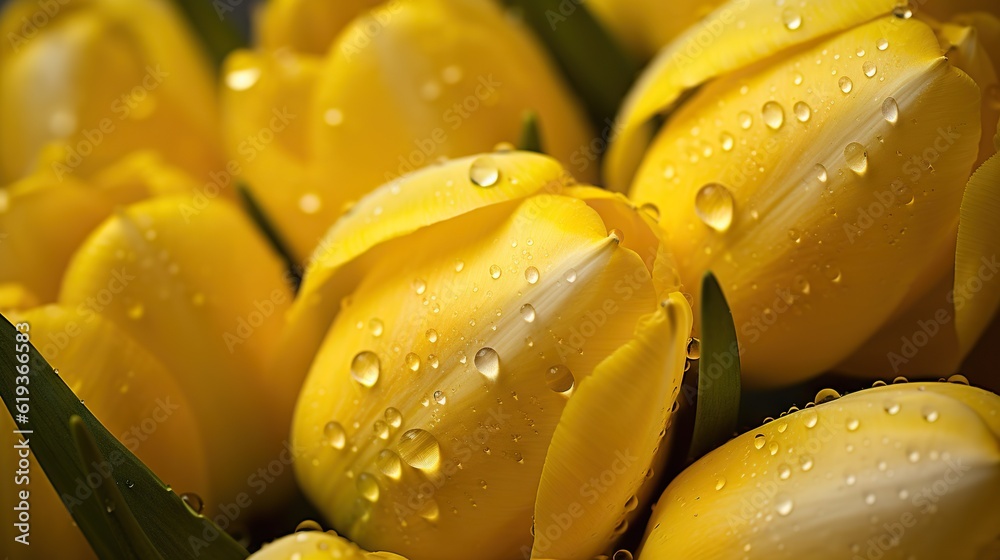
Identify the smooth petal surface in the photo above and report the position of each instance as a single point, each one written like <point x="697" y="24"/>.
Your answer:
<point x="136" y="399"/>
<point x="92" y="83"/>
<point x="361" y="238"/>
<point x="798" y="184"/>
<point x="889" y="472"/>
<point x="317" y="545"/>
<point x="644" y="26"/>
<point x="428" y="412"/>
<point x="610" y="432"/>
<point x="977" y="288"/>
<point x="736" y="35"/>
<point x="310" y="26"/>
<point x="202" y="291"/>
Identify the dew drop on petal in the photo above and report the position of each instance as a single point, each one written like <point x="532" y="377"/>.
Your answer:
<point x="803" y="112"/>
<point x="487" y="362"/>
<point x="528" y="313"/>
<point x="759" y="440"/>
<point x="368" y="487"/>
<point x="714" y="205"/>
<point x="495" y="271"/>
<point x="365" y="368"/>
<point x="412" y="361"/>
<point x="783" y="505"/>
<point x="394" y="417"/>
<point x="857" y="157"/>
<point x="773" y="114"/>
<point x="745" y="120"/>
<point x="484" y="172"/>
<point x="882" y="44"/>
<point x="791" y="19"/>
<point x="846" y="85"/>
<point x="389" y="463"/>
<point x="869" y="68"/>
<point x="531" y="274"/>
<point x="335" y="435"/>
<point x="420" y="449"/>
<point x="890" y="110"/>
<point x="559" y="378"/>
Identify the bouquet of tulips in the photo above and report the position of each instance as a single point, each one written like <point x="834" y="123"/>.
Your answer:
<point x="499" y="280"/>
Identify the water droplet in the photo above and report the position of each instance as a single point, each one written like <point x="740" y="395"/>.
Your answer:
<point x="861" y="52"/>
<point x="193" y="501"/>
<point x="531" y="274"/>
<point x="783" y="505"/>
<point x="429" y="510"/>
<point x="759" y="440"/>
<point x="857" y="157"/>
<point x="333" y="116"/>
<point x="439" y="397"/>
<point x="891" y="407"/>
<point x="389" y="464"/>
<point x="846" y="85"/>
<point x="890" y="110"/>
<point x="528" y="312"/>
<point x="368" y="487"/>
<point x="622" y="554"/>
<point x="335" y="435"/>
<point x="721" y="483"/>
<point x="432" y="336"/>
<point x="784" y="471"/>
<point x="420" y="449"/>
<point x="852" y="424"/>
<point x="693" y="348"/>
<point x="307" y="526"/>
<point x="745" y="120"/>
<point x="774" y="115"/>
<point x="791" y="19"/>
<point x="806" y="463"/>
<point x="870" y="498"/>
<point x="559" y="378"/>
<point x="484" y="172"/>
<point x="803" y="112"/>
<point x="882" y="44"/>
<point x="459" y="266"/>
<point x="869" y="68"/>
<point x="412" y="361"/>
<point x="495" y="271"/>
<point x="797" y="79"/>
<point x="913" y="456"/>
<point x="714" y="205"/>
<point x="902" y="11"/>
<point x="376" y="327"/>
<point x="958" y="379"/>
<point x="821" y="173"/>
<point x="365" y="368"/>
<point x="826" y="395"/>
<point x="669" y="172"/>
<point x="810" y="418"/>
<point x="727" y="141"/>
<point x="393" y="417"/>
<point x="381" y="429"/>
<point x="929" y="414"/>
<point x="487" y="362"/>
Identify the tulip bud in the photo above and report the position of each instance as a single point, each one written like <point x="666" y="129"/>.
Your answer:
<point x="310" y="146"/>
<point x="134" y="397"/>
<point x="507" y="346"/>
<point x="308" y="26"/>
<point x="317" y="545"/>
<point x="891" y="472"/>
<point x="34" y="257"/>
<point x="801" y="182"/>
<point x="195" y="284"/>
<point x="85" y="82"/>
<point x="643" y="26"/>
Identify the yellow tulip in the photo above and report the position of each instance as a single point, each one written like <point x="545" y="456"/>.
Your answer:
<point x="134" y="397"/>
<point x="44" y="220"/>
<point x="199" y="288"/>
<point x="317" y="545"/>
<point x="495" y="345"/>
<point x="894" y="472"/>
<point x="309" y="26"/>
<point x="825" y="187"/>
<point x="400" y="87"/>
<point x="85" y="82"/>
<point x="643" y="26"/>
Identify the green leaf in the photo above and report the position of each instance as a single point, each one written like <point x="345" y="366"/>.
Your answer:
<point x="531" y="134"/>
<point x="267" y="227"/>
<point x="146" y="520"/>
<point x="218" y="35"/>
<point x="718" y="408"/>
<point x="596" y="66"/>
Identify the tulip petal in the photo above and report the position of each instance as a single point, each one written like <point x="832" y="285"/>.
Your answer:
<point x="818" y="185"/>
<point x="309" y="26"/>
<point x="136" y="399"/>
<point x="179" y="279"/>
<point x="610" y="431"/>
<point x="977" y="291"/>
<point x="398" y="209"/>
<point x="482" y="325"/>
<point x="923" y="459"/>
<point x="317" y="545"/>
<point x="737" y="34"/>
